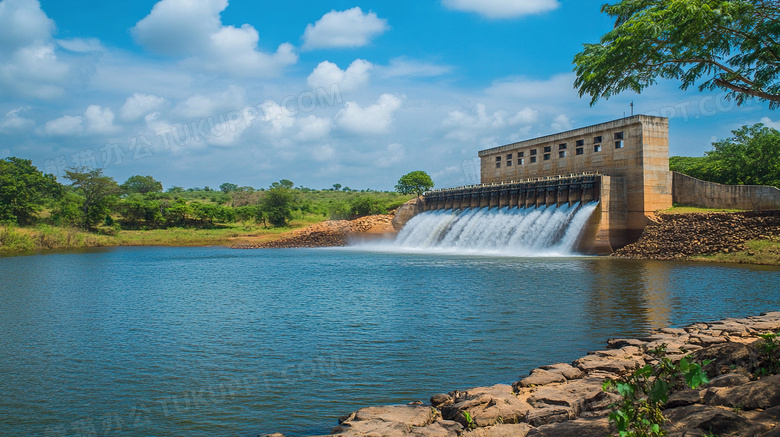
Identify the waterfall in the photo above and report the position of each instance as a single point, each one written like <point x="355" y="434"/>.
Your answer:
<point x="543" y="231"/>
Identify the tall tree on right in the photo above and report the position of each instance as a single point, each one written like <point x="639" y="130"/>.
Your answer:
<point x="733" y="45"/>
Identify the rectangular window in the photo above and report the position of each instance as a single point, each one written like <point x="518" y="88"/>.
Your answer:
<point x="562" y="146"/>
<point x="533" y="159"/>
<point x="597" y="147"/>
<point x="580" y="150"/>
<point x="597" y="140"/>
<point x="562" y="154"/>
<point x="521" y="161"/>
<point x="509" y="157"/>
<point x="580" y="143"/>
<point x="498" y="159"/>
<point x="533" y="152"/>
<point x="618" y="135"/>
<point x="508" y="163"/>
<point x="619" y="144"/>
<point x="498" y="165"/>
<point x="546" y="156"/>
<point x="547" y="149"/>
<point x="520" y="154"/>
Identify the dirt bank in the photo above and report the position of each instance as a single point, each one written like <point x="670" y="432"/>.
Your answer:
<point x="684" y="236"/>
<point x="330" y="233"/>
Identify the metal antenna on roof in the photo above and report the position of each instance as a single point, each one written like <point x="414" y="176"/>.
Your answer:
<point x="632" y="108"/>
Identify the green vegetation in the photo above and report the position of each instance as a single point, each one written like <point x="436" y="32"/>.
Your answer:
<point x="764" y="252"/>
<point x="731" y="44"/>
<point x="647" y="389"/>
<point x="138" y="212"/>
<point x="676" y="209"/>
<point x="768" y="348"/>
<point x="751" y="157"/>
<point x="416" y="182"/>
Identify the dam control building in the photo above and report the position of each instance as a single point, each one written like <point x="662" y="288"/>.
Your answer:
<point x="622" y="164"/>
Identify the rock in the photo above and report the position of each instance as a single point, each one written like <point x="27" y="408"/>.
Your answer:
<point x="574" y="428"/>
<point x="372" y="428"/>
<point x="567" y="370"/>
<point x="501" y="430"/>
<point x="543" y="416"/>
<point x="441" y="400"/>
<point x="487" y="406"/>
<point x="442" y="428"/>
<point x="412" y="415"/>
<point x="727" y="380"/>
<point x="690" y="419"/>
<point x="617" y="343"/>
<point x="407" y="211"/>
<point x="764" y="393"/>
<point x="540" y="377"/>
<point x="674" y="331"/>
<point x="683" y="398"/>
<point x="727" y="358"/>
<point x="575" y="395"/>
<point x="592" y="363"/>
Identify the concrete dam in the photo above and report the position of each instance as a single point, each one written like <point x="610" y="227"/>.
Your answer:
<point x="590" y="190"/>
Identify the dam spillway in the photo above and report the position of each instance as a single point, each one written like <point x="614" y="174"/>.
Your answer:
<point x="517" y="231"/>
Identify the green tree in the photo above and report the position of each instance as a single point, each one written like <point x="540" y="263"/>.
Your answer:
<point x="142" y="185"/>
<point x="366" y="205"/>
<point x="99" y="194"/>
<point x="137" y="211"/>
<point x="732" y="44"/>
<point x="23" y="190"/>
<point x="277" y="204"/>
<point x="227" y="187"/>
<point x="416" y="182"/>
<point x="750" y="157"/>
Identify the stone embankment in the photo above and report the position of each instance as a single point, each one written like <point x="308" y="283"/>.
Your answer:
<point x="680" y="236"/>
<point x="567" y="400"/>
<point x="331" y="233"/>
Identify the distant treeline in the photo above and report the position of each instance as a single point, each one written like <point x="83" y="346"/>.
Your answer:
<point x="750" y="157"/>
<point x="93" y="200"/>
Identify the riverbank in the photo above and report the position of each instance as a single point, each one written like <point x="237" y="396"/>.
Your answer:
<point x="567" y="399"/>
<point x="743" y="237"/>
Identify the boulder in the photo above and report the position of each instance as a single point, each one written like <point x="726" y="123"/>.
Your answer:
<point x="567" y="370"/>
<point x="487" y="406"/>
<point x="764" y="393"/>
<point x="727" y="358"/>
<point x="412" y="415"/>
<point x="441" y="400"/>
<point x="372" y="428"/>
<point x="407" y="211"/>
<point x="576" y="396"/>
<point x="441" y="428"/>
<point x="540" y="377"/>
<point x="727" y="380"/>
<point x="574" y="428"/>
<point x="501" y="430"/>
<point x="543" y="416"/>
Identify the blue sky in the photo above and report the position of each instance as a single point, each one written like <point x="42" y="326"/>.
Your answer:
<point x="201" y="92"/>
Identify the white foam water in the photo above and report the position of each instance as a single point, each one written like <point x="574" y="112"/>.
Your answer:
<point x="543" y="231"/>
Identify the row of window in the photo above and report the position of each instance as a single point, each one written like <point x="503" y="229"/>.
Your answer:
<point x="562" y="148"/>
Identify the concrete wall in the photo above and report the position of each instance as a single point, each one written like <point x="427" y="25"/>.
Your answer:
<point x="690" y="191"/>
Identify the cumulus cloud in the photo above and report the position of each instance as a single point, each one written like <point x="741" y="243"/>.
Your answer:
<point x="393" y="154"/>
<point x="561" y="123"/>
<point x="28" y="63"/>
<point x="327" y="73"/>
<point x="139" y="105"/>
<point x="13" y="122"/>
<point x="470" y="126"/>
<point x="200" y="105"/>
<point x="96" y="120"/>
<point x="343" y="29"/>
<point x="502" y="8"/>
<point x="768" y="122"/>
<point x="372" y="120"/>
<point x="193" y="29"/>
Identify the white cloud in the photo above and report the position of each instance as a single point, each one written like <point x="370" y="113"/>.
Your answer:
<point x="343" y="29"/>
<point x="402" y="67"/>
<point x="769" y="123"/>
<point x="372" y="120"/>
<point x="64" y="126"/>
<point x="193" y="29"/>
<point x="478" y="123"/>
<point x="561" y="123"/>
<point x="502" y="8"/>
<point x="199" y="105"/>
<point x="81" y="45"/>
<point x="13" y="122"/>
<point x="312" y="128"/>
<point x="99" y="120"/>
<point x="139" y="105"/>
<point x="393" y="154"/>
<point x="328" y="73"/>
<point x="28" y="63"/>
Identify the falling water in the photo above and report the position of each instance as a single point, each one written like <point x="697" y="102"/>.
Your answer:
<point x="543" y="231"/>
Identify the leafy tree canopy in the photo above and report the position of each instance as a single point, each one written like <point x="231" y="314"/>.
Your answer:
<point x="416" y="182"/>
<point x="750" y="157"/>
<point x="98" y="191"/>
<point x="141" y="185"/>
<point x="278" y="204"/>
<point x="733" y="45"/>
<point x="23" y="189"/>
<point x="227" y="187"/>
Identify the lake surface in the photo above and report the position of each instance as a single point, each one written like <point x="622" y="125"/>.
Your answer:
<point x="213" y="341"/>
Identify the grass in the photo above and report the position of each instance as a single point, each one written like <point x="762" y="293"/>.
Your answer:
<point x="18" y="240"/>
<point x="692" y="209"/>
<point x="764" y="252"/>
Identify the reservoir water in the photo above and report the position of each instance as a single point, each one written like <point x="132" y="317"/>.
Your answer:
<point x="213" y="341"/>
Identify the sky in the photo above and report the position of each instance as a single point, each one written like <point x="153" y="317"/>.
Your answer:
<point x="201" y="92"/>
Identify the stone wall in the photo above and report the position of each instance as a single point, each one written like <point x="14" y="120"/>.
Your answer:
<point x="690" y="191"/>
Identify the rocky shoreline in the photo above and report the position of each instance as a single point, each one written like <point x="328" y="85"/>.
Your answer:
<point x="681" y="236"/>
<point x="567" y="400"/>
